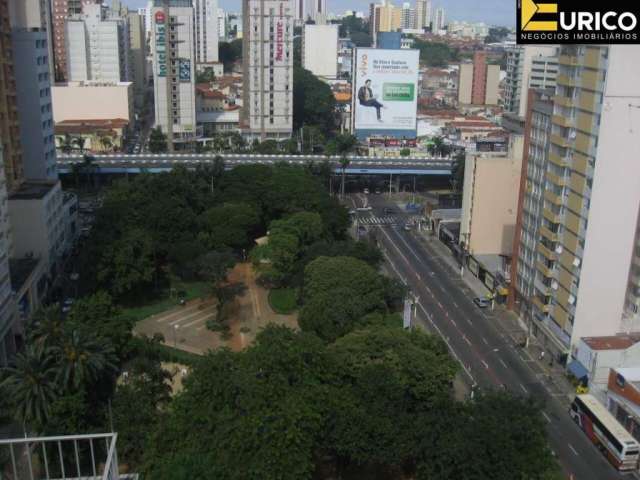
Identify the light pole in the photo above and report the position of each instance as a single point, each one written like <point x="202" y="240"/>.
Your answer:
<point x="175" y="336"/>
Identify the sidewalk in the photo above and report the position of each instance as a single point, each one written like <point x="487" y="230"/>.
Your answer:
<point x="552" y="376"/>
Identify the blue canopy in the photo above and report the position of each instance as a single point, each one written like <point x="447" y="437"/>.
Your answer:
<point x="577" y="370"/>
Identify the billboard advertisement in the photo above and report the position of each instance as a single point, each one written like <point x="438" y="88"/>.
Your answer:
<point x="161" y="53"/>
<point x="386" y="91"/>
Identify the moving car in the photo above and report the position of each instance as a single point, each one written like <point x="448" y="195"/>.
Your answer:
<point x="407" y="227"/>
<point x="482" y="302"/>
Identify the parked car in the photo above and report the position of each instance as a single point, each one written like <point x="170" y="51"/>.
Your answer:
<point x="366" y="191"/>
<point x="482" y="302"/>
<point x="67" y="304"/>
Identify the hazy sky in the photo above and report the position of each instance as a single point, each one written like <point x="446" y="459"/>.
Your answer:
<point x="495" y="12"/>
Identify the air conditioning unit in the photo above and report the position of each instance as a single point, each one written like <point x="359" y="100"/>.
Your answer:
<point x="576" y="262"/>
<point x="554" y="285"/>
<point x="572" y="300"/>
<point x="559" y="249"/>
<point x="572" y="135"/>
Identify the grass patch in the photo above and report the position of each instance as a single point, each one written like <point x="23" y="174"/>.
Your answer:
<point x="166" y="300"/>
<point x="175" y="355"/>
<point x="283" y="300"/>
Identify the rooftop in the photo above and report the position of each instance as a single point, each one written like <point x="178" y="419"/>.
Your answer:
<point x="33" y="190"/>
<point x="613" y="342"/>
<point x="90" y="126"/>
<point x="630" y="374"/>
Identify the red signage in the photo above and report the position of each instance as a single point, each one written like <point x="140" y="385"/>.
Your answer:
<point x="159" y="17"/>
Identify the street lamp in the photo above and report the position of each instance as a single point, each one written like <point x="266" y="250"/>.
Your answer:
<point x="175" y="336"/>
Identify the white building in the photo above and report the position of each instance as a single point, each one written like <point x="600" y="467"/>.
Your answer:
<point x="206" y="30"/>
<point x="33" y="89"/>
<point x="438" y="20"/>
<point x="315" y="10"/>
<point x="408" y="16"/>
<point x="320" y="50"/>
<point x="222" y="24"/>
<point x="92" y="101"/>
<point x="145" y="13"/>
<point x="173" y="43"/>
<point x="600" y="354"/>
<point x="97" y="47"/>
<point x="268" y="68"/>
<point x="528" y="66"/>
<point x="423" y="14"/>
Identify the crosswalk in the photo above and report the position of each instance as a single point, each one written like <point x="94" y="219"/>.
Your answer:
<point x="391" y="220"/>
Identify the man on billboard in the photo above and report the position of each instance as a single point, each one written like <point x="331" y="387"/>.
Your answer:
<point x="366" y="98"/>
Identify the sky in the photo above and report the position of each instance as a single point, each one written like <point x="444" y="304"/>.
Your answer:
<point x="493" y="12"/>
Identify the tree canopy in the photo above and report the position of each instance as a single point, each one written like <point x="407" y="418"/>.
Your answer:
<point x="313" y="101"/>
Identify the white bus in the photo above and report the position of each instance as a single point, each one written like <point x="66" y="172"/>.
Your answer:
<point x="620" y="448"/>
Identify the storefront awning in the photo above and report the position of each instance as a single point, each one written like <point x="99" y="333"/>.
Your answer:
<point x="577" y="370"/>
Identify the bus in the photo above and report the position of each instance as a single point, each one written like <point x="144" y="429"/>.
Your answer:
<point x="620" y="448"/>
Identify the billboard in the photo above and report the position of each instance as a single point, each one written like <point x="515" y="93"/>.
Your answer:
<point x="385" y="92"/>
<point x="161" y="53"/>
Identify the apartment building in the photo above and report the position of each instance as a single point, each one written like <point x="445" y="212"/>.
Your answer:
<point x="173" y="43"/>
<point x="438" y="20"/>
<point x="206" y="30"/>
<point x="267" y="68"/>
<point x="320" y="50"/>
<point x="528" y="66"/>
<point x="7" y="305"/>
<point x="60" y="11"/>
<point x="586" y="254"/>
<point x="478" y="81"/>
<point x="408" y="16"/>
<point x="137" y="56"/>
<point x="97" y="46"/>
<point x="315" y="10"/>
<point x="423" y="14"/>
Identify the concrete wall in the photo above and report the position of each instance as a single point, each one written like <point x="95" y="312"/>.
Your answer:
<point x="320" y="50"/>
<point x="490" y="199"/>
<point x="491" y="86"/>
<point x="615" y="199"/>
<point x="92" y="102"/>
<point x="600" y="362"/>
<point x="465" y="82"/>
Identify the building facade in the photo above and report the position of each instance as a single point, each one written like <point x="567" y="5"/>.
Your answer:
<point x="173" y="44"/>
<point x="268" y="68"/>
<point x="320" y="50"/>
<point x="528" y="66"/>
<point x="7" y="307"/>
<point x="587" y="256"/>
<point x="33" y="89"/>
<point x="206" y="30"/>
<point x="423" y="14"/>
<point x="97" y="46"/>
<point x="137" y="56"/>
<point x="93" y="101"/>
<point x="478" y="82"/>
<point x="408" y="16"/>
<point x="439" y="20"/>
<point x="60" y="11"/>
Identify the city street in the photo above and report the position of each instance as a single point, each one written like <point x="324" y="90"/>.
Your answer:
<point x="487" y="348"/>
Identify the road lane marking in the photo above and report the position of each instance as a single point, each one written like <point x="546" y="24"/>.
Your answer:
<point x="485" y="341"/>
<point x="502" y="362"/>
<point x="486" y="365"/>
<point x="466" y="339"/>
<point x="455" y="305"/>
<point x="573" y="449"/>
<point x="454" y="322"/>
<point x="524" y="389"/>
<point x="546" y="417"/>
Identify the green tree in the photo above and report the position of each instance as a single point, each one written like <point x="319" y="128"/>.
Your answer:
<point x="361" y="39"/>
<point x="344" y="163"/>
<point x="46" y="326"/>
<point x="306" y="226"/>
<point x="267" y="147"/>
<point x="31" y="384"/>
<point x="435" y="54"/>
<point x="313" y="101"/>
<point x="231" y="225"/>
<point x="229" y="53"/>
<point x="82" y="358"/>
<point x="405" y="152"/>
<point x="457" y="172"/>
<point x="157" y="141"/>
<point x="338" y="292"/>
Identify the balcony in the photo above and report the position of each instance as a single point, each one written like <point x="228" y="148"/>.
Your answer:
<point x="567" y="81"/>
<point x="548" y="234"/>
<point x="553" y="198"/>
<point x="556" y="179"/>
<point x="547" y="253"/>
<point x="545" y="270"/>
<point x="566" y="122"/>
<point x="552" y="217"/>
<point x="543" y="307"/>
<point x="561" y="141"/>
<point x="569" y="60"/>
<point x="558" y="160"/>
<point x="564" y="101"/>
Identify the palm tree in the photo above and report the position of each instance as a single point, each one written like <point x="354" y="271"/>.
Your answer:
<point x="46" y="327"/>
<point x="437" y="145"/>
<point x="67" y="144"/>
<point x="31" y="384"/>
<point x="82" y="358"/>
<point x="106" y="143"/>
<point x="80" y="143"/>
<point x="344" y="163"/>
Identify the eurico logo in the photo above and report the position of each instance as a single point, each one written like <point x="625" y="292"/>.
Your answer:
<point x="558" y="22"/>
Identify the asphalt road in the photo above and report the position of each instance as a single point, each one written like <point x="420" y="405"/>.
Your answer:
<point x="488" y="352"/>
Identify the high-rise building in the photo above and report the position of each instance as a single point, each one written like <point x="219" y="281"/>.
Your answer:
<point x="145" y="13"/>
<point x="478" y="82"/>
<point x="173" y="43"/>
<point x="314" y="10"/>
<point x="439" y="20"/>
<point x="60" y="11"/>
<point x="206" y="30"/>
<point x="408" y="20"/>
<point x="268" y="68"/>
<point x="586" y="255"/>
<point x="222" y="24"/>
<point x="320" y="50"/>
<point x="137" y="56"/>
<point x="528" y="66"/>
<point x="9" y="120"/>
<point x="97" y="46"/>
<point x="423" y="14"/>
